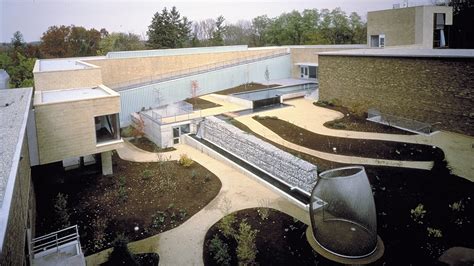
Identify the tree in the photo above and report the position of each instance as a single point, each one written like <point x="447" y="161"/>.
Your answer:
<point x="358" y="29"/>
<point x="168" y="30"/>
<point x="17" y="41"/>
<point x="218" y="34"/>
<point x="119" y="41"/>
<point x="61" y="211"/>
<point x="238" y="33"/>
<point x="54" y="41"/>
<point x="260" y="26"/>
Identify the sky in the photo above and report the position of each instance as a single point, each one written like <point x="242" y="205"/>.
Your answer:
<point x="33" y="17"/>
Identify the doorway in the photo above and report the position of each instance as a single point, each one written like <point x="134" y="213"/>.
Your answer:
<point x="180" y="130"/>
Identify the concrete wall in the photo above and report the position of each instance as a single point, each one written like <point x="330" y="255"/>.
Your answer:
<point x="116" y="71"/>
<point x="19" y="220"/>
<point x="406" y="26"/>
<point x="425" y="89"/>
<point x="67" y="129"/>
<point x="68" y="79"/>
<point x="179" y="89"/>
<point x="398" y="25"/>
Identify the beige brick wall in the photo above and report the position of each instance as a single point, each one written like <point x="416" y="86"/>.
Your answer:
<point x="128" y="69"/>
<point x="67" y="129"/>
<point x="398" y="25"/>
<point x="78" y="78"/>
<point x="13" y="246"/>
<point x="428" y="90"/>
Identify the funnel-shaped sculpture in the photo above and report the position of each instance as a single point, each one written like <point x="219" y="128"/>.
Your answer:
<point x="342" y="210"/>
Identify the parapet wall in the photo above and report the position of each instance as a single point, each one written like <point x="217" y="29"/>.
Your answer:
<point x="282" y="165"/>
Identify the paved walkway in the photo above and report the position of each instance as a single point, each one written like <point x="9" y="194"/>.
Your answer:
<point x="183" y="245"/>
<point x="457" y="148"/>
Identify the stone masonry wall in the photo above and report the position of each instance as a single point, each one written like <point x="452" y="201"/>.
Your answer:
<point x="12" y="252"/>
<point x="425" y="89"/>
<point x="267" y="157"/>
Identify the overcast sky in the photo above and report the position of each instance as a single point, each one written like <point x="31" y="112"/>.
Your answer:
<point x="33" y="17"/>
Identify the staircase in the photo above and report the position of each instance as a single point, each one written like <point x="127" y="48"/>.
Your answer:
<point x="194" y="71"/>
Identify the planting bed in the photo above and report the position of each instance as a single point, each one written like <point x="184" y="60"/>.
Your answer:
<point x="447" y="208"/>
<point x="154" y="197"/>
<point x="247" y="87"/>
<point x="357" y="122"/>
<point x="378" y="149"/>
<point x="201" y="104"/>
<point x="148" y="145"/>
<point x="280" y="240"/>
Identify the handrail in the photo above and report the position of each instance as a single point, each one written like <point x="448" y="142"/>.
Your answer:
<point x="194" y="70"/>
<point x="54" y="240"/>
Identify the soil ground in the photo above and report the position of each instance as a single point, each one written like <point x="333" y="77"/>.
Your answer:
<point x="446" y="198"/>
<point x="357" y="122"/>
<point x="154" y="197"/>
<point x="148" y="145"/>
<point x="353" y="147"/>
<point x="280" y="240"/>
<point x="246" y="87"/>
<point x="201" y="104"/>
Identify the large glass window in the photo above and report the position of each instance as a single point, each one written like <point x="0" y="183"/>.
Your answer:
<point x="313" y="72"/>
<point x="107" y="128"/>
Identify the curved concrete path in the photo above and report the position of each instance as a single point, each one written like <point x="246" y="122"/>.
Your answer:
<point x="268" y="134"/>
<point x="457" y="148"/>
<point x="183" y="245"/>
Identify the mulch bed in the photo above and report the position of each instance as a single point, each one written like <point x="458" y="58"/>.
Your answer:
<point x="148" y="145"/>
<point x="247" y="87"/>
<point x="154" y="197"/>
<point x="280" y="240"/>
<point x="201" y="104"/>
<point x="378" y="149"/>
<point x="398" y="191"/>
<point x="356" y="122"/>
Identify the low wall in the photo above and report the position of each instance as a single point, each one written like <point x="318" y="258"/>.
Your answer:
<point x="277" y="163"/>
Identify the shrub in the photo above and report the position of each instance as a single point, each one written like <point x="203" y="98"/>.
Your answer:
<point x="433" y="232"/>
<point x="246" y="245"/>
<point x="220" y="251"/>
<point x="147" y="174"/>
<point x="418" y="213"/>
<point x="158" y="219"/>
<point x="263" y="213"/>
<point x="457" y="206"/>
<point x="226" y="225"/>
<point x="61" y="212"/>
<point x="120" y="254"/>
<point x="122" y="189"/>
<point x="185" y="161"/>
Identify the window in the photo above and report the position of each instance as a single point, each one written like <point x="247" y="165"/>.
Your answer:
<point x="382" y="40"/>
<point x="313" y="72"/>
<point x="377" y="40"/>
<point x="107" y="128"/>
<point x="180" y="130"/>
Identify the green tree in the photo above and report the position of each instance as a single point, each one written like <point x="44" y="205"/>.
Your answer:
<point x="119" y="41"/>
<point x="20" y="69"/>
<point x="358" y="29"/>
<point x="218" y="34"/>
<point x="168" y="30"/>
<point x="260" y="26"/>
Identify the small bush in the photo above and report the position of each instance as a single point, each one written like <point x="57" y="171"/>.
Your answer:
<point x="220" y="251"/>
<point x="226" y="225"/>
<point x="433" y="232"/>
<point x="185" y="161"/>
<point x="418" y="214"/>
<point x="158" y="219"/>
<point x="122" y="189"/>
<point x="147" y="174"/>
<point x="246" y="245"/>
<point x="120" y="254"/>
<point x="263" y="213"/>
<point x="61" y="212"/>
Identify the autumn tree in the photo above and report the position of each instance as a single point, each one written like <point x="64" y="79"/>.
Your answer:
<point x="67" y="41"/>
<point x="168" y="30"/>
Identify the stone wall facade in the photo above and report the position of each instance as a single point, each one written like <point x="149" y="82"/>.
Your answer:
<point x="428" y="90"/>
<point x="280" y="164"/>
<point x="21" y="216"/>
<point x="68" y="79"/>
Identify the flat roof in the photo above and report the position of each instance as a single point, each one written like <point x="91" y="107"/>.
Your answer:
<point x="62" y="64"/>
<point x="14" y="109"/>
<point x="406" y="52"/>
<point x="72" y="94"/>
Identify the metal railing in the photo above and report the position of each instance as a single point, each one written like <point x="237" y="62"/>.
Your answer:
<point x="54" y="240"/>
<point x="400" y="122"/>
<point x="194" y="70"/>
